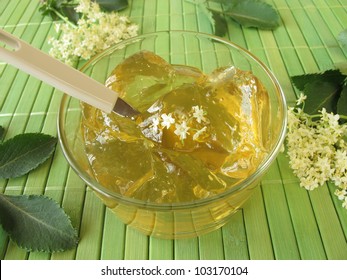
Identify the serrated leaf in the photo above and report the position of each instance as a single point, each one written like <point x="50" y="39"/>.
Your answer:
<point x="250" y="13"/>
<point x="201" y="4"/>
<point x="331" y="76"/>
<point x="2" y="133"/>
<point x="342" y="102"/>
<point x="112" y="5"/>
<point x="203" y="8"/>
<point x="220" y="26"/>
<point x="226" y="3"/>
<point x="36" y="223"/>
<point x="24" y="152"/>
<point x="342" y="66"/>
<point x="321" y="94"/>
<point x="342" y="38"/>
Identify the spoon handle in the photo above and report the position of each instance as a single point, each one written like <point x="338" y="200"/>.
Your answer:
<point x="55" y="73"/>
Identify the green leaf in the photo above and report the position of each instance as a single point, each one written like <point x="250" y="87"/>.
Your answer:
<point x="221" y="26"/>
<point x="112" y="5"/>
<point x="226" y="3"/>
<point x="331" y="76"/>
<point x="342" y="38"/>
<point x="24" y="152"/>
<point x="36" y="223"/>
<point x="60" y="9"/>
<point x="201" y="4"/>
<point x="203" y="8"/>
<point x="250" y="13"/>
<point x="321" y="94"/>
<point x="342" y="102"/>
<point x="2" y="133"/>
<point x="342" y="66"/>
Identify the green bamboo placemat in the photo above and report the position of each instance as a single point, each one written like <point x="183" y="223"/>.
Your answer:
<point x="280" y="221"/>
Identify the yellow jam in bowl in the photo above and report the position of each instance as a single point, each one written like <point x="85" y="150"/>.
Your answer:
<point x="197" y="136"/>
<point x="212" y="120"/>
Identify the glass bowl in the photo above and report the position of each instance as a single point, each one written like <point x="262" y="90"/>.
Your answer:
<point x="186" y="219"/>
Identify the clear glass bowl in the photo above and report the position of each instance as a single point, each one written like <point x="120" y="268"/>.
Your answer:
<point x="206" y="52"/>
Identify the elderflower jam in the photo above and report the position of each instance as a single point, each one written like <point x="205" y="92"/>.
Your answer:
<point x="197" y="135"/>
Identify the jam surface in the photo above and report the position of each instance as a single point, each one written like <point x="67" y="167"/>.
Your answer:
<point x="197" y="135"/>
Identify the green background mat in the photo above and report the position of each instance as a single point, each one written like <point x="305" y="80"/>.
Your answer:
<point x="280" y="221"/>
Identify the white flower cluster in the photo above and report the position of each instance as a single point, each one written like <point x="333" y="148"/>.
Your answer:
<point x="94" y="32"/>
<point x="317" y="149"/>
<point x="154" y="125"/>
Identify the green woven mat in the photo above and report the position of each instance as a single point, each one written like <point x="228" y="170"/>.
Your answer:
<point x="280" y="221"/>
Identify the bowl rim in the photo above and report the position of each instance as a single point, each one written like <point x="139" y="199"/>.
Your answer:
<point x="96" y="186"/>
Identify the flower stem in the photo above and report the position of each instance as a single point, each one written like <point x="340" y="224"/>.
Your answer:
<point x="320" y="115"/>
<point x="62" y="17"/>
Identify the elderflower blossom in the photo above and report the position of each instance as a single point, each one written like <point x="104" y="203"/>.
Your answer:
<point x="198" y="114"/>
<point x="184" y="123"/>
<point x="317" y="150"/>
<point x="94" y="32"/>
<point x="182" y="130"/>
<point x="301" y="99"/>
<point x="168" y="120"/>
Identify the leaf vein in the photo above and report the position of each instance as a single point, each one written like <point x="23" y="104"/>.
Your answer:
<point x="24" y="213"/>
